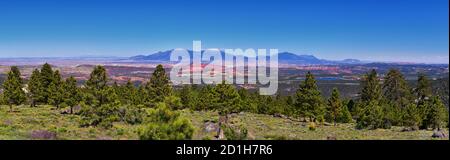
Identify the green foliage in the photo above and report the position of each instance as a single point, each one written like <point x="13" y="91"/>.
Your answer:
<point x="396" y="90"/>
<point x="371" y="89"/>
<point x="35" y="88"/>
<point x="423" y="90"/>
<point x="437" y="115"/>
<point x="372" y="117"/>
<point x="334" y="109"/>
<point x="412" y="117"/>
<point x="13" y="93"/>
<point x="235" y="133"/>
<point x="55" y="90"/>
<point x="309" y="102"/>
<point x="101" y="101"/>
<point x="47" y="78"/>
<point x="226" y="99"/>
<point x="72" y="94"/>
<point x="162" y="123"/>
<point x="189" y="97"/>
<point x="128" y="94"/>
<point x="158" y="87"/>
<point x="345" y="116"/>
<point x="132" y="114"/>
<point x="173" y="102"/>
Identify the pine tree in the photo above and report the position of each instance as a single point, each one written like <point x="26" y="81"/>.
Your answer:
<point x="165" y="124"/>
<point x="423" y="90"/>
<point x="345" y="115"/>
<point x="227" y="99"/>
<point x="207" y="98"/>
<point x="372" y="116"/>
<point x="188" y="97"/>
<point x="396" y="90"/>
<point x="128" y="94"/>
<point x="371" y="87"/>
<point x="72" y="95"/>
<point x="334" y="106"/>
<point x="437" y="115"/>
<point x="56" y="92"/>
<point x="13" y="93"/>
<point x="35" y="88"/>
<point x="95" y="85"/>
<point x="423" y="93"/>
<point x="102" y="100"/>
<point x="47" y="77"/>
<point x="412" y="117"/>
<point x="309" y="102"/>
<point x="159" y="85"/>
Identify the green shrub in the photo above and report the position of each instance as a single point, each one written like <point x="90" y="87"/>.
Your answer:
<point x="240" y="133"/>
<point x="165" y="124"/>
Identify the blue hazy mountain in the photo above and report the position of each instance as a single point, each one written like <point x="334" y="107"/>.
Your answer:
<point x="283" y="57"/>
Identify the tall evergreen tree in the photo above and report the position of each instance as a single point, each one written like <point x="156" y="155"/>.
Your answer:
<point x="128" y="94"/>
<point x="423" y="90"/>
<point x="309" y="102"/>
<point x="334" y="106"/>
<point x="47" y="77"/>
<point x="13" y="93"/>
<point x="437" y="115"/>
<point x="188" y="97"/>
<point x="371" y="87"/>
<point x="396" y="90"/>
<point x="227" y="99"/>
<point x="102" y="100"/>
<point x="159" y="85"/>
<point x="72" y="95"/>
<point x="35" y="88"/>
<point x="56" y="92"/>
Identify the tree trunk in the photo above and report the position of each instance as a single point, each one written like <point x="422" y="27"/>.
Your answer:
<point x="10" y="108"/>
<point x="71" y="109"/>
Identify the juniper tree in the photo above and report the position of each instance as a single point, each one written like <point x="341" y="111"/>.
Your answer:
<point x="13" y="93"/>
<point x="35" y="88"/>
<point x="72" y="95"/>
<point x="159" y="85"/>
<point x="55" y="91"/>
<point x="309" y="101"/>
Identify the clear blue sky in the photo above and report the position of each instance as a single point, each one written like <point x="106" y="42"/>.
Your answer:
<point x="381" y="30"/>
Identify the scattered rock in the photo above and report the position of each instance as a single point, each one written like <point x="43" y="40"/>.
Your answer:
<point x="331" y="138"/>
<point x="104" y="138"/>
<point x="438" y="134"/>
<point x="211" y="127"/>
<point x="43" y="134"/>
<point x="278" y="115"/>
<point x="409" y="129"/>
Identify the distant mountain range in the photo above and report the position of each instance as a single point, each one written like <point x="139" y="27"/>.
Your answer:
<point x="283" y="58"/>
